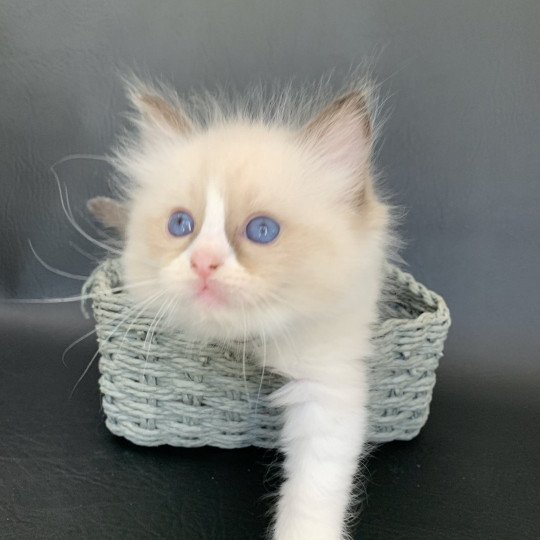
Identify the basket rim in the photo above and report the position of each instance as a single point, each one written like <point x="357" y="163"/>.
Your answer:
<point x="439" y="310"/>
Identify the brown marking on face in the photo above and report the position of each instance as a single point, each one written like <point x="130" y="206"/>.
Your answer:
<point x="162" y="112"/>
<point x="349" y="110"/>
<point x="353" y="104"/>
<point x="152" y="226"/>
<point x="112" y="214"/>
<point x="244" y="200"/>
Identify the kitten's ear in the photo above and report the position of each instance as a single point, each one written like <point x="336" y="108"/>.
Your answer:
<point x="110" y="213"/>
<point x="342" y="133"/>
<point x="159" y="111"/>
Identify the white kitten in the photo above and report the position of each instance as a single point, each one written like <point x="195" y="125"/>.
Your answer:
<point x="265" y="223"/>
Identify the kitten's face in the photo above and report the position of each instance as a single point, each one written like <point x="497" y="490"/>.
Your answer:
<point x="218" y="271"/>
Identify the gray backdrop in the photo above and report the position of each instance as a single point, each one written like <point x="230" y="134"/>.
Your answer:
<point x="459" y="150"/>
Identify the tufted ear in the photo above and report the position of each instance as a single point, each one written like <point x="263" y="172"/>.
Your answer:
<point x="159" y="112"/>
<point x="110" y="213"/>
<point x="342" y="133"/>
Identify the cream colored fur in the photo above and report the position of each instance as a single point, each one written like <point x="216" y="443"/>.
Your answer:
<point x="311" y="295"/>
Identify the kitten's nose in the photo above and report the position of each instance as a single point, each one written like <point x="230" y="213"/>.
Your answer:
<point x="205" y="262"/>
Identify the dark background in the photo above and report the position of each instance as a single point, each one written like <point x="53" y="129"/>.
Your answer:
<point x="459" y="152"/>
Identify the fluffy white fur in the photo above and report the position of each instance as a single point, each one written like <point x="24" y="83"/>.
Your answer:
<point x="311" y="294"/>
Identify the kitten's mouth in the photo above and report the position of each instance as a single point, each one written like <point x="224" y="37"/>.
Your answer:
<point x="210" y="294"/>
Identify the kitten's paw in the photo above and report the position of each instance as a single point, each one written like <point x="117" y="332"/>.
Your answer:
<point x="305" y="529"/>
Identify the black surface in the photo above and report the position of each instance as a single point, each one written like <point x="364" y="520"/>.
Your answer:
<point x="472" y="473"/>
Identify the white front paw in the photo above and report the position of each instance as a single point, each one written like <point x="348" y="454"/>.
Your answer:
<point x="294" y="528"/>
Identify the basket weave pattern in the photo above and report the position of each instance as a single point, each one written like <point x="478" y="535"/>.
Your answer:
<point x="159" y="387"/>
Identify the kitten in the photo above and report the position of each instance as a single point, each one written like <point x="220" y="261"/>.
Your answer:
<point x="261" y="223"/>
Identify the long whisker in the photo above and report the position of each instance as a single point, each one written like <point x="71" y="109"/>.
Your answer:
<point x="76" y="342"/>
<point x="66" y="198"/>
<point x="64" y="201"/>
<point x="244" y="356"/>
<point x="82" y="338"/>
<point x="143" y="305"/>
<point x="151" y="329"/>
<point x="150" y="332"/>
<point x="83" y="373"/>
<point x="159" y="317"/>
<point x="83" y="252"/>
<point x="93" y="157"/>
<point x="174" y="306"/>
<point x="65" y="299"/>
<point x="98" y="350"/>
<point x="98" y="231"/>
<point x="55" y="270"/>
<point x="75" y="298"/>
<point x="71" y="219"/>
<point x="263" y="336"/>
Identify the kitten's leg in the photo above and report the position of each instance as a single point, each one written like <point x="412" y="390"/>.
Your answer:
<point x="323" y="436"/>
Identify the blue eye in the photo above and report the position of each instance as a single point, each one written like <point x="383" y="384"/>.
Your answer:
<point x="262" y="230"/>
<point x="181" y="224"/>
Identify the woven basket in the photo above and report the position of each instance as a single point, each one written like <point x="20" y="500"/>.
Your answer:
<point x="159" y="387"/>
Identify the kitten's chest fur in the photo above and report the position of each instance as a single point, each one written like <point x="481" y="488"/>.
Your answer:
<point x="331" y="349"/>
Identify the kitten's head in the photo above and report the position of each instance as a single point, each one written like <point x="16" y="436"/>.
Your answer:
<point x="245" y="224"/>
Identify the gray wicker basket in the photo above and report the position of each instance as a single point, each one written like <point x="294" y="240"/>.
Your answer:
<point x="161" y="388"/>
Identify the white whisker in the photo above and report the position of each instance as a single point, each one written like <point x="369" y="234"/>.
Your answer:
<point x="83" y="373"/>
<point x="57" y="271"/>
<point x="64" y="201"/>
<point x="88" y="334"/>
<point x="143" y="305"/>
<point x="84" y="253"/>
<point x="98" y="350"/>
<point x="263" y="337"/>
<point x="244" y="356"/>
<point x="93" y="157"/>
<point x="76" y="342"/>
<point x="75" y="298"/>
<point x="70" y="217"/>
<point x="153" y="327"/>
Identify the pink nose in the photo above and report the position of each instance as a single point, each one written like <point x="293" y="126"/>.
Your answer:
<point x="205" y="262"/>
